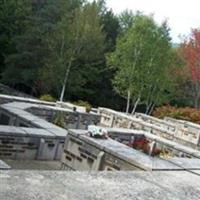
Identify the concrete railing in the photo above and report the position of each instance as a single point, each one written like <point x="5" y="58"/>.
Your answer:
<point x="71" y="106"/>
<point x="111" y="118"/>
<point x="158" y="122"/>
<point x="9" y="98"/>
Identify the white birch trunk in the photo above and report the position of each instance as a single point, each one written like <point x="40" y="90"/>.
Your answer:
<point x="151" y="110"/>
<point x="128" y="101"/>
<point x="65" y="80"/>
<point x="135" y="105"/>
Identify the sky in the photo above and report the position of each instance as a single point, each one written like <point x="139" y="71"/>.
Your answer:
<point x="182" y="15"/>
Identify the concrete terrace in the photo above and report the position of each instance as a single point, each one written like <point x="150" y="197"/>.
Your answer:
<point x="37" y="156"/>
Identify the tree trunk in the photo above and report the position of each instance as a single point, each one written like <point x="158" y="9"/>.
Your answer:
<point x="135" y="105"/>
<point x="128" y="101"/>
<point x="151" y="110"/>
<point x="148" y="108"/>
<point x="65" y="80"/>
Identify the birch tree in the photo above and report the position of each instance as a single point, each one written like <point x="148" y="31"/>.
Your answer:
<point x="77" y="38"/>
<point x="142" y="60"/>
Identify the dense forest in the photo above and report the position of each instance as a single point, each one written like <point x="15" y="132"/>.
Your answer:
<point x="80" y="50"/>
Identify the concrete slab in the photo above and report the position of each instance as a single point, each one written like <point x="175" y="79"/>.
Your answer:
<point x="48" y="185"/>
<point x="33" y="165"/>
<point x="3" y="166"/>
<point x="12" y="131"/>
<point x="38" y="132"/>
<point x="58" y="132"/>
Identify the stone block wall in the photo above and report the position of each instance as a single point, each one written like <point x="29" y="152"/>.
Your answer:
<point x="72" y="120"/>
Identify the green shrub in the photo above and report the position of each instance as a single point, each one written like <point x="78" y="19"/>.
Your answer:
<point x="47" y="97"/>
<point x="59" y="119"/>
